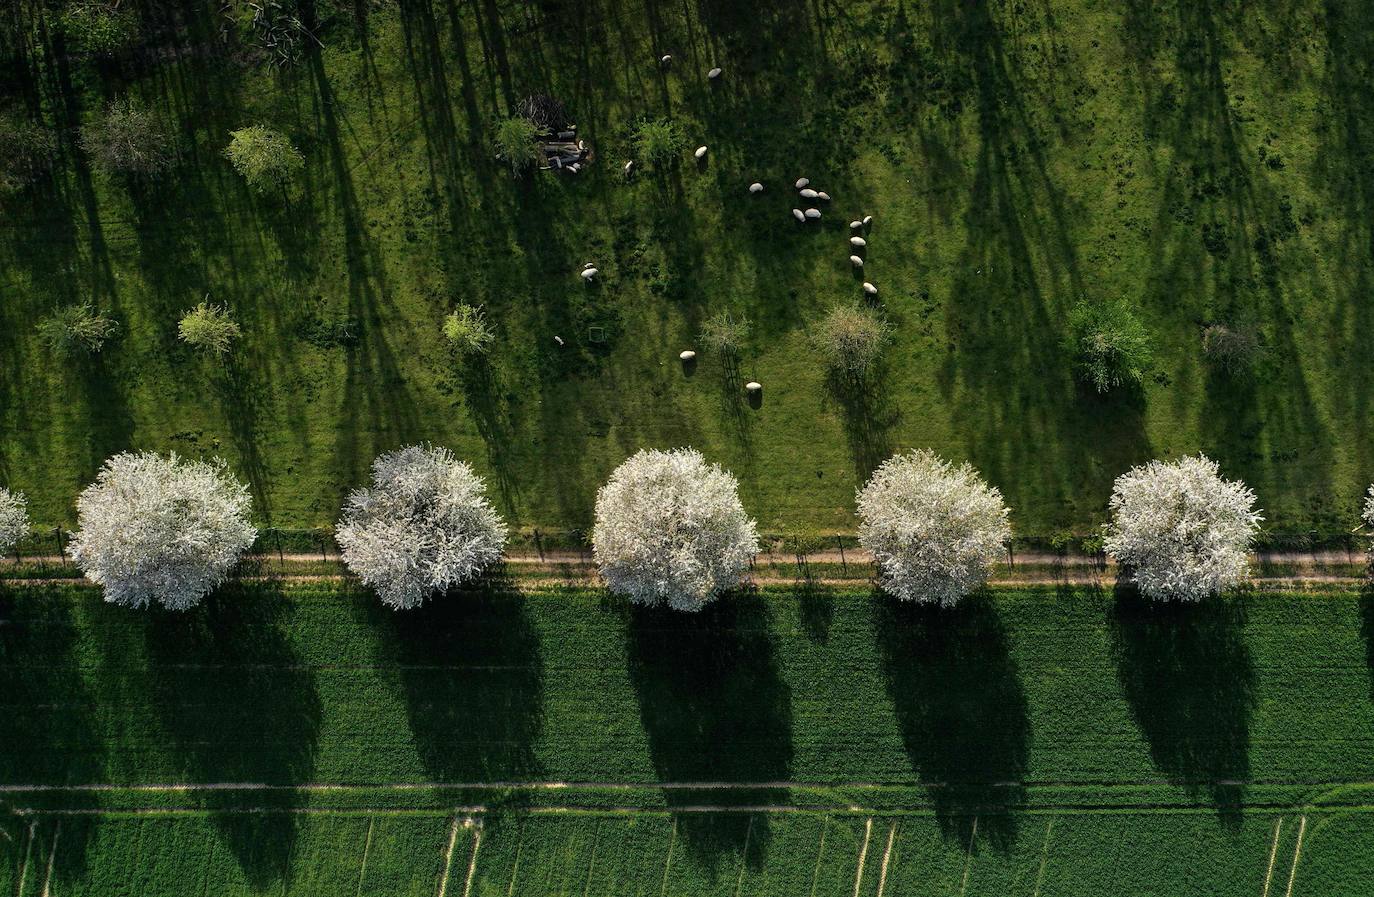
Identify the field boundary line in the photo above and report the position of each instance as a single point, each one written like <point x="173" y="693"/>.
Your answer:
<point x="367" y="848"/>
<point x="28" y="853"/>
<point x="1044" y="857"/>
<point x="515" y="867"/>
<point x="887" y="854"/>
<point x="863" y="855"/>
<point x="591" y="862"/>
<point x="744" y="856"/>
<point x="968" y="857"/>
<point x="448" y="853"/>
<point x="1273" y="852"/>
<point x="672" y="840"/>
<point x="472" y="860"/>
<point x="52" y="855"/>
<point x="820" y="851"/>
<point x="1297" y="854"/>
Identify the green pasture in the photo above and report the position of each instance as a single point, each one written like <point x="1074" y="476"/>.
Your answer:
<point x="1208" y="161"/>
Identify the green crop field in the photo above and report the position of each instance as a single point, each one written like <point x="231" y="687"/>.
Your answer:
<point x="1038" y="741"/>
<point x="1204" y="161"/>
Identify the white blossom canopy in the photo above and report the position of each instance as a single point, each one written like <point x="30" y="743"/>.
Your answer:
<point x="1369" y="506"/>
<point x="670" y="529"/>
<point x="1183" y="531"/>
<point x="423" y="526"/>
<point x="161" y="529"/>
<point x="934" y="529"/>
<point x="14" y="519"/>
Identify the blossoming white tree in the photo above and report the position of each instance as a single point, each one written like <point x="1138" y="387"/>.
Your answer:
<point x="1183" y="531"/>
<point x="933" y="528"/>
<point x="161" y="529"/>
<point x="14" y="519"/>
<point x="670" y="529"/>
<point x="424" y="525"/>
<point x="1369" y="509"/>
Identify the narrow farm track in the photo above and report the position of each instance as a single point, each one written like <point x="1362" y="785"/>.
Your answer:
<point x="829" y="568"/>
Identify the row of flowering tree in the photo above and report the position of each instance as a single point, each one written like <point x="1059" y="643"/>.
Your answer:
<point x="670" y="528"/>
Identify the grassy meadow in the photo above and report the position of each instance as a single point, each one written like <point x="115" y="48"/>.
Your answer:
<point x="1207" y="161"/>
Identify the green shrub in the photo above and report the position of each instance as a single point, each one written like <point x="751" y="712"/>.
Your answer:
<point x="77" y="329"/>
<point x="851" y="337"/>
<point x="1233" y="348"/>
<point x="210" y="328"/>
<point x="725" y="333"/>
<point x="264" y="157"/>
<point x="26" y="152"/>
<point x="98" y="29"/>
<point x="467" y="332"/>
<point x="1110" y="345"/>
<point x="128" y="138"/>
<point x="515" y="143"/>
<point x="658" y="141"/>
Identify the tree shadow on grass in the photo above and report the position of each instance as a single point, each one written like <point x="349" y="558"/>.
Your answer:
<point x="715" y="710"/>
<point x="1186" y="672"/>
<point x="472" y="669"/>
<point x="48" y="734"/>
<point x="868" y="417"/>
<point x="238" y="704"/>
<point x="961" y="710"/>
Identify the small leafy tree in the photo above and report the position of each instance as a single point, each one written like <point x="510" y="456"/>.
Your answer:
<point x="1110" y="345"/>
<point x="515" y="143"/>
<point x="424" y="526"/>
<point x="77" y="329"/>
<point x="850" y="337"/>
<point x="725" y="333"/>
<point x="129" y="139"/>
<point x="466" y="331"/>
<point x="1182" y="531"/>
<point x="264" y="157"/>
<point x="14" y="519"/>
<point x="934" y="529"/>
<point x="670" y="529"/>
<point x="165" y="530"/>
<point x="26" y="152"/>
<point x="210" y="328"/>
<point x="658" y="141"/>
<point x="98" y="27"/>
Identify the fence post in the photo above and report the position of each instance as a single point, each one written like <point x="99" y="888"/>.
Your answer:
<point x="839" y="543"/>
<point x="539" y="545"/>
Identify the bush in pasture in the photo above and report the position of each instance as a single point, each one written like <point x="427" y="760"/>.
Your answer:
<point x="26" y="152"/>
<point x="466" y="331"/>
<point x="264" y="157"/>
<point x="1182" y="531"/>
<point x="76" y="329"/>
<point x="14" y="519"/>
<point x="165" y="530"/>
<point x="129" y="139"/>
<point x="934" y="529"/>
<point x="424" y="526"/>
<point x="850" y="338"/>
<point x="98" y="28"/>
<point x="1110" y="345"/>
<point x="725" y="333"/>
<point x="1233" y="349"/>
<point x="670" y="529"/>
<point x="658" y="141"/>
<point x="210" y="328"/>
<point x="515" y="145"/>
